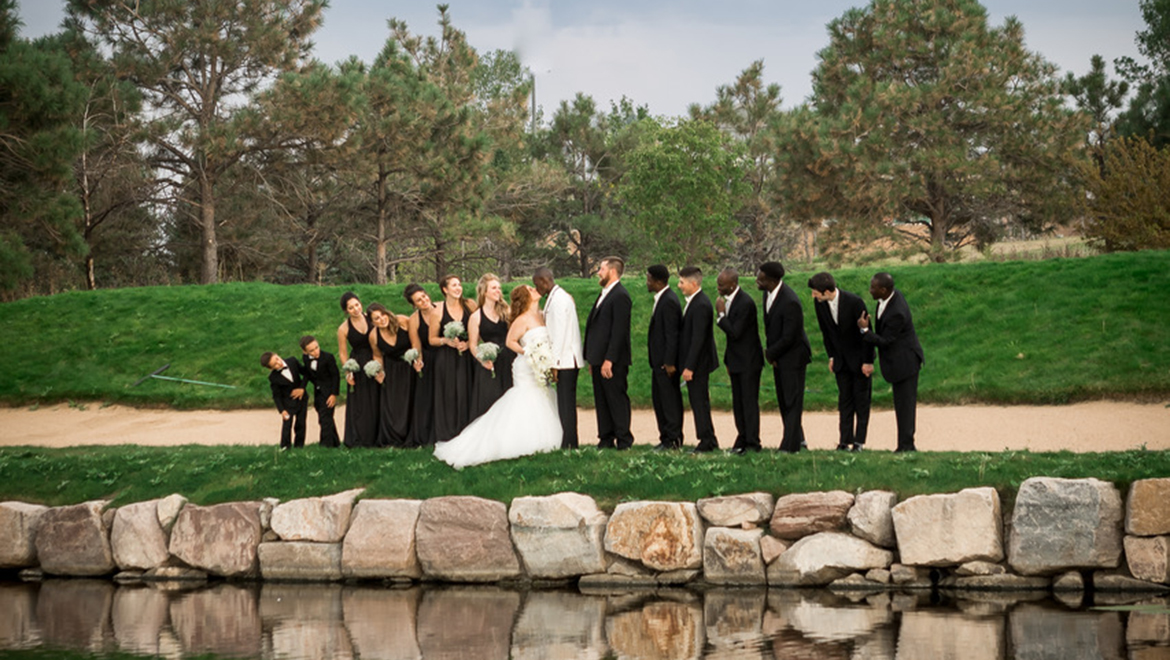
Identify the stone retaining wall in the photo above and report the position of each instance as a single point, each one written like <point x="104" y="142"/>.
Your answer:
<point x="1063" y="534"/>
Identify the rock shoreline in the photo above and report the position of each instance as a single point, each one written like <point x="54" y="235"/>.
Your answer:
<point x="1062" y="535"/>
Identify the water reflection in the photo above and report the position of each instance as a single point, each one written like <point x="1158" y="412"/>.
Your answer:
<point x="308" y="621"/>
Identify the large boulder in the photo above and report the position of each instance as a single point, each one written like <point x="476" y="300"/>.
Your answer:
<point x="821" y="558"/>
<point x="732" y="556"/>
<point x="804" y="514"/>
<point x="74" y="540"/>
<point x="315" y="519"/>
<point x="300" y="560"/>
<point x="18" y="530"/>
<point x="753" y="509"/>
<point x="559" y="536"/>
<point x="381" y="540"/>
<point x="168" y="510"/>
<point x="220" y="539"/>
<point x="871" y="518"/>
<point x="465" y="539"/>
<point x="1148" y="557"/>
<point x="1061" y="524"/>
<point x="136" y="537"/>
<point x="664" y="536"/>
<point x="1147" y="508"/>
<point x="949" y="529"/>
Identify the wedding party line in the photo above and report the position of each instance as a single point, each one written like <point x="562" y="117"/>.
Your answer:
<point x="483" y="380"/>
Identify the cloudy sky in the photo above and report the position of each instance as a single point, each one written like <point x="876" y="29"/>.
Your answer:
<point x="667" y="54"/>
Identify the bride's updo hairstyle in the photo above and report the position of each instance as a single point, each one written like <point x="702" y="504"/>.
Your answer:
<point x="521" y="299"/>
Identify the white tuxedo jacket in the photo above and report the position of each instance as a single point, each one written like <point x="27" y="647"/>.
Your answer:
<point x="564" y="329"/>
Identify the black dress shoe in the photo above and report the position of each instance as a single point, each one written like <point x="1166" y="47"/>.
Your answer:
<point x="737" y="451"/>
<point x="703" y="450"/>
<point x="844" y="447"/>
<point x="856" y="447"/>
<point x="903" y="450"/>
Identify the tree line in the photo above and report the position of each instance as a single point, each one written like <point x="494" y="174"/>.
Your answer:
<point x="163" y="142"/>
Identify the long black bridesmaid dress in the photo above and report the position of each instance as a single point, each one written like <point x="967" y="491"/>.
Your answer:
<point x="484" y="388"/>
<point x="361" y="400"/>
<point x="422" y="422"/>
<point x="397" y="392"/>
<point x="452" y="373"/>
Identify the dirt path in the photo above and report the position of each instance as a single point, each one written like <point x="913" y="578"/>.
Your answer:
<point x="1094" y="426"/>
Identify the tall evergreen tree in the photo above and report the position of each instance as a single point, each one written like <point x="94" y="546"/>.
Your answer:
<point x="1148" y="113"/>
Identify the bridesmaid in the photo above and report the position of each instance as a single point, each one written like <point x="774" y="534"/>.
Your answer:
<point x="489" y="324"/>
<point x="390" y="340"/>
<point x="451" y="362"/>
<point x="361" y="400"/>
<point x="422" y="428"/>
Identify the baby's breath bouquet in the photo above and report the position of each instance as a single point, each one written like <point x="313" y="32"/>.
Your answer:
<point x="540" y="356"/>
<point x="351" y="366"/>
<point x="410" y="356"/>
<point x="455" y="330"/>
<point x="488" y="352"/>
<point x="373" y="368"/>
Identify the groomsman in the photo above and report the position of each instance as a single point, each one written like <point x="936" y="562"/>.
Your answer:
<point x="850" y="358"/>
<point x="744" y="358"/>
<point x="607" y="350"/>
<point x="288" y="392"/>
<point x="899" y="352"/>
<point x="786" y="349"/>
<point x="662" y="342"/>
<point x="320" y="369"/>
<point x="697" y="355"/>
<point x="564" y="330"/>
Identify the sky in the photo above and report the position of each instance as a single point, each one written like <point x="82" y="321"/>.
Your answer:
<point x="669" y="54"/>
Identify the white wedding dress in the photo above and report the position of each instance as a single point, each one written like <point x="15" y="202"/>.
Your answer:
<point x="521" y="422"/>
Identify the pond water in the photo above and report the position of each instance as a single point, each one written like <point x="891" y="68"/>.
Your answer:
<point x="303" y="622"/>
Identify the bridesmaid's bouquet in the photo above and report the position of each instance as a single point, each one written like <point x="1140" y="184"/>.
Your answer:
<point x="455" y="330"/>
<point x="540" y="356"/>
<point x="373" y="368"/>
<point x="487" y="352"/>
<point x="410" y="357"/>
<point x="351" y="366"/>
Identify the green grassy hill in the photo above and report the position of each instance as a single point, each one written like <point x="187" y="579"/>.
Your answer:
<point x="1050" y="331"/>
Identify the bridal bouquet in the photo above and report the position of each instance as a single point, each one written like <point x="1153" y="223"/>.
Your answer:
<point x="455" y="330"/>
<point x="488" y="352"/>
<point x="540" y="356"/>
<point x="410" y="356"/>
<point x="351" y="366"/>
<point x="373" y="368"/>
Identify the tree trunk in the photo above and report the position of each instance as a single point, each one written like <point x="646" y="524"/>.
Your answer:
<point x="380" y="277"/>
<point x="209" y="273"/>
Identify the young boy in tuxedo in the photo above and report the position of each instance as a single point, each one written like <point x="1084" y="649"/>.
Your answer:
<point x="320" y="369"/>
<point x="288" y="392"/>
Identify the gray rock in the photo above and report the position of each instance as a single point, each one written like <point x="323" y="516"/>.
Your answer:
<point x="854" y="582"/>
<point x="73" y="540"/>
<point x="18" y="529"/>
<point x="220" y="539"/>
<point x="315" y="519"/>
<point x="300" y="560"/>
<point x="736" y="510"/>
<point x="801" y="514"/>
<point x="821" y="558"/>
<point x="606" y="581"/>
<point x="1061" y="524"/>
<point x="871" y="518"/>
<point x="878" y="575"/>
<point x="168" y="510"/>
<point x="465" y="539"/>
<point x="664" y="536"/>
<point x="559" y="535"/>
<point x="772" y="547"/>
<point x="1114" y="581"/>
<point x="974" y="568"/>
<point x="732" y="556"/>
<point x="1147" y="508"/>
<point x="1148" y="557"/>
<point x="1069" y="581"/>
<point x="381" y="540"/>
<point x="137" y="539"/>
<point x="1002" y="582"/>
<point x="621" y="566"/>
<point x="902" y="574"/>
<point x="673" y="578"/>
<point x="949" y="529"/>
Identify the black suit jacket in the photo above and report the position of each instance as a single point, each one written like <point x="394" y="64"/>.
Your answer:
<point x="607" y="330"/>
<point x="899" y="352"/>
<point x="843" y="341"/>
<point x="697" y="340"/>
<point x="326" y="379"/>
<point x="282" y="388"/>
<point x="665" y="325"/>
<point x="787" y="344"/>
<point x="739" y="322"/>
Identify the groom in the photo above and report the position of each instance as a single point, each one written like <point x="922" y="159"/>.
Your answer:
<point x="607" y="350"/>
<point x="564" y="332"/>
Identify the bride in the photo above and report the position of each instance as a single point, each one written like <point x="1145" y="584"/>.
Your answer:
<point x="524" y="420"/>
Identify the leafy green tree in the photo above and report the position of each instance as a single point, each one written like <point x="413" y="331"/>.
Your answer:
<point x="1128" y="205"/>
<point x="683" y="186"/>
<point x="929" y="117"/>
<point x="1148" y="114"/>
<point x="198" y="63"/>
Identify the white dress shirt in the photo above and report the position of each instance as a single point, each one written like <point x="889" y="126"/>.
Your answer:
<point x="727" y="303"/>
<point x="772" y="297"/>
<point x="657" y="297"/>
<point x="834" y="305"/>
<point x="564" y="329"/>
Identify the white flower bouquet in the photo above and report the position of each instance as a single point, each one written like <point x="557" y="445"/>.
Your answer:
<point x="373" y="368"/>
<point x="455" y="330"/>
<point x="351" y="366"/>
<point x="488" y="352"/>
<point x="410" y="357"/>
<point x="540" y="356"/>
